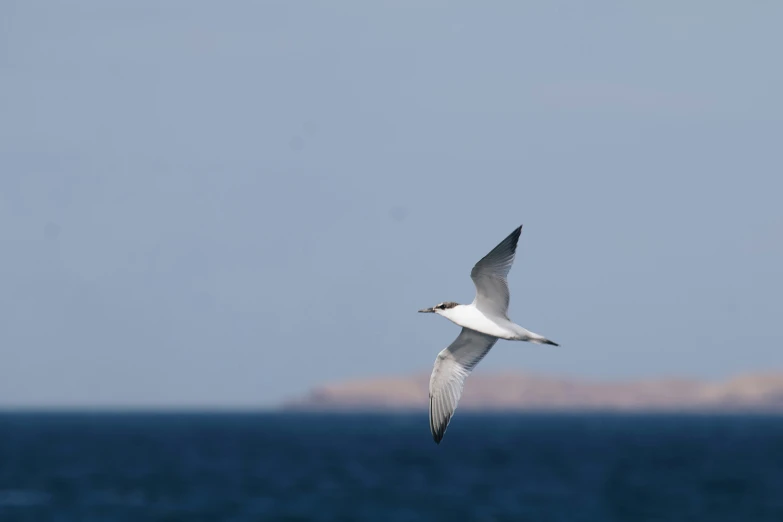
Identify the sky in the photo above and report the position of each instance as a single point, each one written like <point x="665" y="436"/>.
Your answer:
<point x="226" y="204"/>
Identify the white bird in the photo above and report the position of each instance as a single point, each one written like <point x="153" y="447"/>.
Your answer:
<point x="483" y="322"/>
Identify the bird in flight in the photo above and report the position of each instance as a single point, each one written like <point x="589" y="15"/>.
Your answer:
<point x="483" y="322"/>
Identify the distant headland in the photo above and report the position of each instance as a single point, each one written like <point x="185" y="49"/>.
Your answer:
<point x="525" y="392"/>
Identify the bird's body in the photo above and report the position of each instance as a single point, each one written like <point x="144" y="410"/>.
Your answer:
<point x="483" y="322"/>
<point x="469" y="316"/>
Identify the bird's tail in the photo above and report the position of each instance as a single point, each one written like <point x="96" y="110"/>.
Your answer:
<point x="540" y="339"/>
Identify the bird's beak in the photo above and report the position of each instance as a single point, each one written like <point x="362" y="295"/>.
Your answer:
<point x="427" y="310"/>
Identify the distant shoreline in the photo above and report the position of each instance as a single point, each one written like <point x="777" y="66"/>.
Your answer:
<point x="514" y="393"/>
<point x="492" y="394"/>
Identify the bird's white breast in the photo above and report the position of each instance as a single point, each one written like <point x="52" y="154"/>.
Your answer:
<point x="468" y="316"/>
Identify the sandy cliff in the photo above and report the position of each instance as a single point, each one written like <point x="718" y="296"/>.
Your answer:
<point x="762" y="392"/>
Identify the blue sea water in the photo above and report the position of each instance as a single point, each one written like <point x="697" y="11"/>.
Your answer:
<point x="83" y="467"/>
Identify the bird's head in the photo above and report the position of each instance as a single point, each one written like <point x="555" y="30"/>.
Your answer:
<point x="439" y="308"/>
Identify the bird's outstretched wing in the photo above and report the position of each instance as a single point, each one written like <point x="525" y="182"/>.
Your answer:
<point x="452" y="365"/>
<point x="490" y="273"/>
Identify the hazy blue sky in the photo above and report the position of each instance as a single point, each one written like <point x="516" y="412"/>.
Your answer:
<point x="226" y="203"/>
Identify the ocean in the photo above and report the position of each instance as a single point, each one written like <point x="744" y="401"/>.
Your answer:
<point x="83" y="467"/>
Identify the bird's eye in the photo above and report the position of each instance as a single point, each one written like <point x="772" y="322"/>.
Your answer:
<point x="439" y="307"/>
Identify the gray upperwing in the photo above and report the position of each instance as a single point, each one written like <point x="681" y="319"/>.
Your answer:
<point x="490" y="276"/>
